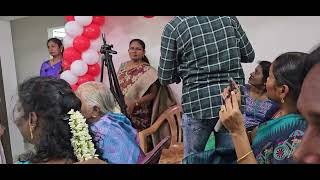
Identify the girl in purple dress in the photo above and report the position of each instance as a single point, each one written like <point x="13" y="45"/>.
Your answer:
<point x="259" y="108"/>
<point x="53" y="67"/>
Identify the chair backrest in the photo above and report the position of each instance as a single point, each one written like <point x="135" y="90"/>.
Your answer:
<point x="153" y="156"/>
<point x="173" y="116"/>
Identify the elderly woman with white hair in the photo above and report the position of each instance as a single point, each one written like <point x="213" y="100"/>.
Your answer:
<point x="112" y="132"/>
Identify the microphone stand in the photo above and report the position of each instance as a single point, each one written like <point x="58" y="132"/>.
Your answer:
<point x="106" y="50"/>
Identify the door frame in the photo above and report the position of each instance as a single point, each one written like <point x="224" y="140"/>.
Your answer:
<point x="5" y="139"/>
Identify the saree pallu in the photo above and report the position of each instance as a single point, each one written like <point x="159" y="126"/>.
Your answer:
<point x="277" y="139"/>
<point x="134" y="84"/>
<point x="116" y="139"/>
<point x="274" y="143"/>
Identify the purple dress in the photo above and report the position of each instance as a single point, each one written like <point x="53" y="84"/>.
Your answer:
<point x="50" y="71"/>
<point x="258" y="111"/>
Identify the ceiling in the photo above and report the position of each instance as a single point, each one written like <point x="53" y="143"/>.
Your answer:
<point x="11" y="18"/>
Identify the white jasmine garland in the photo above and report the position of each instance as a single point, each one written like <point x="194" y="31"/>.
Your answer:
<point x="81" y="140"/>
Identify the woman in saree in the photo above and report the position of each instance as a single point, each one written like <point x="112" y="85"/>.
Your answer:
<point x="139" y="84"/>
<point x="42" y="116"/>
<point x="274" y="141"/>
<point x="144" y="97"/>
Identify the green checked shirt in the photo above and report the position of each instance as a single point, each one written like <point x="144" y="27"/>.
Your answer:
<point x="203" y="51"/>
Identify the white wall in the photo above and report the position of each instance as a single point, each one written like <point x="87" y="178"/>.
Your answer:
<point x="10" y="85"/>
<point x="273" y="35"/>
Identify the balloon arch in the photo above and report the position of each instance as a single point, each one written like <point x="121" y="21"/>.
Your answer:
<point x="82" y="44"/>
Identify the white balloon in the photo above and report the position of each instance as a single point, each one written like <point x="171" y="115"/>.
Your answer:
<point x="79" y="68"/>
<point x="73" y="29"/>
<point x="69" y="77"/>
<point x="90" y="56"/>
<point x="83" y="20"/>
<point x="96" y="44"/>
<point x="67" y="41"/>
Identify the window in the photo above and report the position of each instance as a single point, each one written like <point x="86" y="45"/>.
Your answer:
<point x="57" y="32"/>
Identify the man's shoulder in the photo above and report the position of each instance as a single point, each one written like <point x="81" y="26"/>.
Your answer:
<point x="177" y="20"/>
<point x="174" y="22"/>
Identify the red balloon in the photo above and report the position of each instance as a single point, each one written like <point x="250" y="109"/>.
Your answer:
<point x="91" y="31"/>
<point x="94" y="70"/>
<point x="100" y="20"/>
<point x="71" y="54"/>
<point x="69" y="18"/>
<point x="85" y="78"/>
<point x="74" y="87"/>
<point x="66" y="65"/>
<point x="148" y="16"/>
<point x="81" y="43"/>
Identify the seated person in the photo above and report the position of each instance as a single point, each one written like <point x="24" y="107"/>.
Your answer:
<point x="112" y="132"/>
<point x="42" y="116"/>
<point x="259" y="107"/>
<point x="274" y="141"/>
<point x="308" y="105"/>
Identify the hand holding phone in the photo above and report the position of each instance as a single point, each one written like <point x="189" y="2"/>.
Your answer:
<point x="232" y="86"/>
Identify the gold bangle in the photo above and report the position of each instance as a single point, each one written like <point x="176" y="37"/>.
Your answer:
<point x="240" y="159"/>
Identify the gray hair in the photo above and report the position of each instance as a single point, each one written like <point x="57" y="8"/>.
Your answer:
<point x="97" y="94"/>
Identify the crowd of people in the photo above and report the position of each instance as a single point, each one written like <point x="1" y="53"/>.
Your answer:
<point x="270" y="120"/>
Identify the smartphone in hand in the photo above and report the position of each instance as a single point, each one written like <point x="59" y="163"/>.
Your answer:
<point x="219" y="127"/>
<point x="232" y="87"/>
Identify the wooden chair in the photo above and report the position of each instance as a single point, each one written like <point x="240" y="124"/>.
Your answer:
<point x="173" y="116"/>
<point x="153" y="156"/>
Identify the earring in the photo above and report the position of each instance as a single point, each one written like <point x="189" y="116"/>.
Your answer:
<point x="282" y="100"/>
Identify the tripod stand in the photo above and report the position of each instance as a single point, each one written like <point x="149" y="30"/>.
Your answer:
<point x="106" y="49"/>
